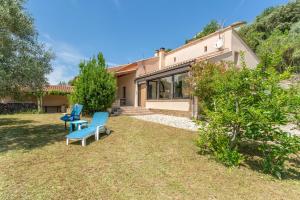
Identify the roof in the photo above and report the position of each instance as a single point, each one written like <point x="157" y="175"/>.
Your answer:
<point x="59" y="88"/>
<point x="128" y="68"/>
<point x="196" y="40"/>
<point x="187" y="62"/>
<point x="124" y="69"/>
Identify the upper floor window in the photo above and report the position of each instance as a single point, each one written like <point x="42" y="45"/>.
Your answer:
<point x="205" y="48"/>
<point x="174" y="59"/>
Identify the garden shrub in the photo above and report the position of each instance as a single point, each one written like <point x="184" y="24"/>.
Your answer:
<point x="241" y="105"/>
<point x="95" y="87"/>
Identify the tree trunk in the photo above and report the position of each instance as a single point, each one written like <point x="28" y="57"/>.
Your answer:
<point x="40" y="104"/>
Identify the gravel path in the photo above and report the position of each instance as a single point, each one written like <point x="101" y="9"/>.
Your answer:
<point x="186" y="123"/>
<point x="291" y="128"/>
<point x="178" y="122"/>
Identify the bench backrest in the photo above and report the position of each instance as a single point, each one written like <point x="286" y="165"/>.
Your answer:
<point x="77" y="108"/>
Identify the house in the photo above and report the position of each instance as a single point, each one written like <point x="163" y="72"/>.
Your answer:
<point x="54" y="100"/>
<point x="159" y="82"/>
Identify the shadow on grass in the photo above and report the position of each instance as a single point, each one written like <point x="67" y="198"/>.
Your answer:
<point x="13" y="121"/>
<point x="254" y="161"/>
<point x="26" y="135"/>
<point x="91" y="139"/>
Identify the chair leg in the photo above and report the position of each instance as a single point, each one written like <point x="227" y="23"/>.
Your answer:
<point x="97" y="136"/>
<point x="68" y="141"/>
<point x="83" y="142"/>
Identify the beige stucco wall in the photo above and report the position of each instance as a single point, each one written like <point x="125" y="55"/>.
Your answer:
<point x="128" y="82"/>
<point x="55" y="100"/>
<point x="182" y="105"/>
<point x="147" y="66"/>
<point x="196" y="49"/>
<point x="239" y="45"/>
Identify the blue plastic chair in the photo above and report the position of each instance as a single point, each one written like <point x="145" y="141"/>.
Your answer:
<point x="96" y="127"/>
<point x="75" y="114"/>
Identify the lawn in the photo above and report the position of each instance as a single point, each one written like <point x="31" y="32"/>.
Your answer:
<point x="139" y="160"/>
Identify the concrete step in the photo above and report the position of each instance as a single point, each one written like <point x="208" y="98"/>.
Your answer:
<point x="130" y="110"/>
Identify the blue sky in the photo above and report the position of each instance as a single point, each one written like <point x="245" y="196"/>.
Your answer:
<point x="127" y="30"/>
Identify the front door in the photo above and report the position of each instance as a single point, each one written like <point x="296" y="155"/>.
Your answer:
<point x="142" y="95"/>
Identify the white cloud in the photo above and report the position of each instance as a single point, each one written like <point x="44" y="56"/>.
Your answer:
<point x="59" y="74"/>
<point x="110" y="64"/>
<point x="67" y="58"/>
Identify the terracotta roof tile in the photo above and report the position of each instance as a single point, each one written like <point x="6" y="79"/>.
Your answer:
<point x="123" y="68"/>
<point x="60" y="88"/>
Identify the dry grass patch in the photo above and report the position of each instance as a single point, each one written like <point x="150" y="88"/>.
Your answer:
<point x="139" y="160"/>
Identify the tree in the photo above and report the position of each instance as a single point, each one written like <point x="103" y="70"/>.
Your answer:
<point x="281" y="18"/>
<point x="72" y="81"/>
<point x="62" y="83"/>
<point x="24" y="62"/>
<point x="275" y="36"/>
<point x="246" y="107"/>
<point x="95" y="87"/>
<point x="211" y="27"/>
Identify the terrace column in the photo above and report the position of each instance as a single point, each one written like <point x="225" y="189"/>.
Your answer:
<point x="136" y="95"/>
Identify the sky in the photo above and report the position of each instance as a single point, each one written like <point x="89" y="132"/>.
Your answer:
<point x="127" y="30"/>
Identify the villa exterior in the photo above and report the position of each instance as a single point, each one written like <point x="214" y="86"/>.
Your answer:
<point x="158" y="83"/>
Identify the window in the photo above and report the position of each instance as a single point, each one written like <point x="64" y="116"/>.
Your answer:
<point x="236" y="57"/>
<point x="175" y="86"/>
<point x="174" y="59"/>
<point x="152" y="89"/>
<point x="181" y="88"/>
<point x="205" y="48"/>
<point x="165" y="88"/>
<point x="124" y="92"/>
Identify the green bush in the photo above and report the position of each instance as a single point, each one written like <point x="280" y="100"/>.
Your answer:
<point x="95" y="87"/>
<point x="243" y="105"/>
<point x="213" y="141"/>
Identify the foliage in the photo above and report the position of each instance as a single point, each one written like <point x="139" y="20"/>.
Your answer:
<point x="294" y="102"/>
<point x="275" y="36"/>
<point x="62" y="83"/>
<point x="72" y="81"/>
<point x="246" y="105"/>
<point x="95" y="87"/>
<point x="211" y="27"/>
<point x="23" y="61"/>
<point x="203" y="75"/>
<point x="212" y="140"/>
<point x="280" y="51"/>
<point x="56" y="92"/>
<point x="281" y="18"/>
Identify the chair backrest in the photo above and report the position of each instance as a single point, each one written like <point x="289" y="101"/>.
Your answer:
<point x="77" y="108"/>
<point x="99" y="118"/>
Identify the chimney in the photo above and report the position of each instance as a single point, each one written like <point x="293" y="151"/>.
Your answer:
<point x="161" y="55"/>
<point x="156" y="53"/>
